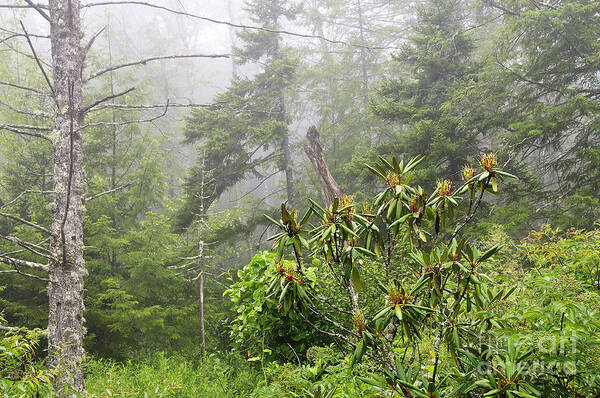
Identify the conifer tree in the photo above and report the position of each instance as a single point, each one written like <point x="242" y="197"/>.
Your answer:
<point x="439" y="60"/>
<point x="245" y="130"/>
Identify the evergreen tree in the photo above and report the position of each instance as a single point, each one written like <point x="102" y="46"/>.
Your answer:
<point x="246" y="130"/>
<point x="438" y="59"/>
<point x="540" y="94"/>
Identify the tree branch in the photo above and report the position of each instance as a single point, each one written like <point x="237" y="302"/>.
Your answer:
<point x="92" y="40"/>
<point x="19" y="272"/>
<point x="28" y="223"/>
<point x="325" y="332"/>
<point x="39" y="9"/>
<point x="11" y="32"/>
<point x="21" y="132"/>
<point x="96" y="196"/>
<point x="470" y="216"/>
<point x="39" y="63"/>
<point x="23" y="112"/>
<point x="108" y="98"/>
<point x="230" y="24"/>
<point x="126" y="107"/>
<point x="128" y="122"/>
<point x="22" y="87"/>
<point x="150" y="59"/>
<point x="41" y="6"/>
<point x="16" y="262"/>
<point x="28" y="127"/>
<point x="32" y="247"/>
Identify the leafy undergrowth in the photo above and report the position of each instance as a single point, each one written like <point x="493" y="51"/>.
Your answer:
<point x="162" y="376"/>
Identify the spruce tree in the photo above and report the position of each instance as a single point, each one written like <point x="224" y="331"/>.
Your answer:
<point x="245" y="131"/>
<point x="438" y="59"/>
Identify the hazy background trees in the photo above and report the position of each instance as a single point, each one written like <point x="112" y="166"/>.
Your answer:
<point x="202" y="147"/>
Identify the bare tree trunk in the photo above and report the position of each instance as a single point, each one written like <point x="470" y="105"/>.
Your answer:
<point x="202" y="332"/>
<point x="329" y="187"/>
<point x="67" y="271"/>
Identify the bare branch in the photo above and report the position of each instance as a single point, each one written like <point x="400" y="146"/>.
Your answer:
<point x="22" y="87"/>
<point x="128" y="122"/>
<point x="41" y="6"/>
<point x="28" y="127"/>
<point x="91" y="42"/>
<point x="39" y="9"/>
<point x="110" y="97"/>
<point x="16" y="271"/>
<point x="32" y="247"/>
<point x="16" y="262"/>
<point x="230" y="24"/>
<point x="38" y="60"/>
<point x="126" y="107"/>
<point x="96" y="196"/>
<point x="146" y="60"/>
<point x="19" y="196"/>
<point x="28" y="223"/>
<point x="12" y="129"/>
<point x="25" y="54"/>
<point x="23" y="112"/>
<point x="13" y="33"/>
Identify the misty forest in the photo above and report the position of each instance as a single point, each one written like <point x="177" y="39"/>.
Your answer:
<point x="300" y="198"/>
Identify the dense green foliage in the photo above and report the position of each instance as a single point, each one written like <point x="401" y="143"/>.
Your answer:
<point x="469" y="269"/>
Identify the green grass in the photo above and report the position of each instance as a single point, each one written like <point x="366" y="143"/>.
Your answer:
<point x="161" y="376"/>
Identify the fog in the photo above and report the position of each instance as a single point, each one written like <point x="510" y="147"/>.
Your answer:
<point x="236" y="182"/>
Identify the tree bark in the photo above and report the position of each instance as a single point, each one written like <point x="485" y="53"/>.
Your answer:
<point x="67" y="271"/>
<point x="202" y="331"/>
<point x="329" y="187"/>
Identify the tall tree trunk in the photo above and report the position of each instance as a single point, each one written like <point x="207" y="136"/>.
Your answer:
<point x="285" y="140"/>
<point x="65" y="289"/>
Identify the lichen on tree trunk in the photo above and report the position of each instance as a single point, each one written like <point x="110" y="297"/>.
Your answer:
<point x="67" y="272"/>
